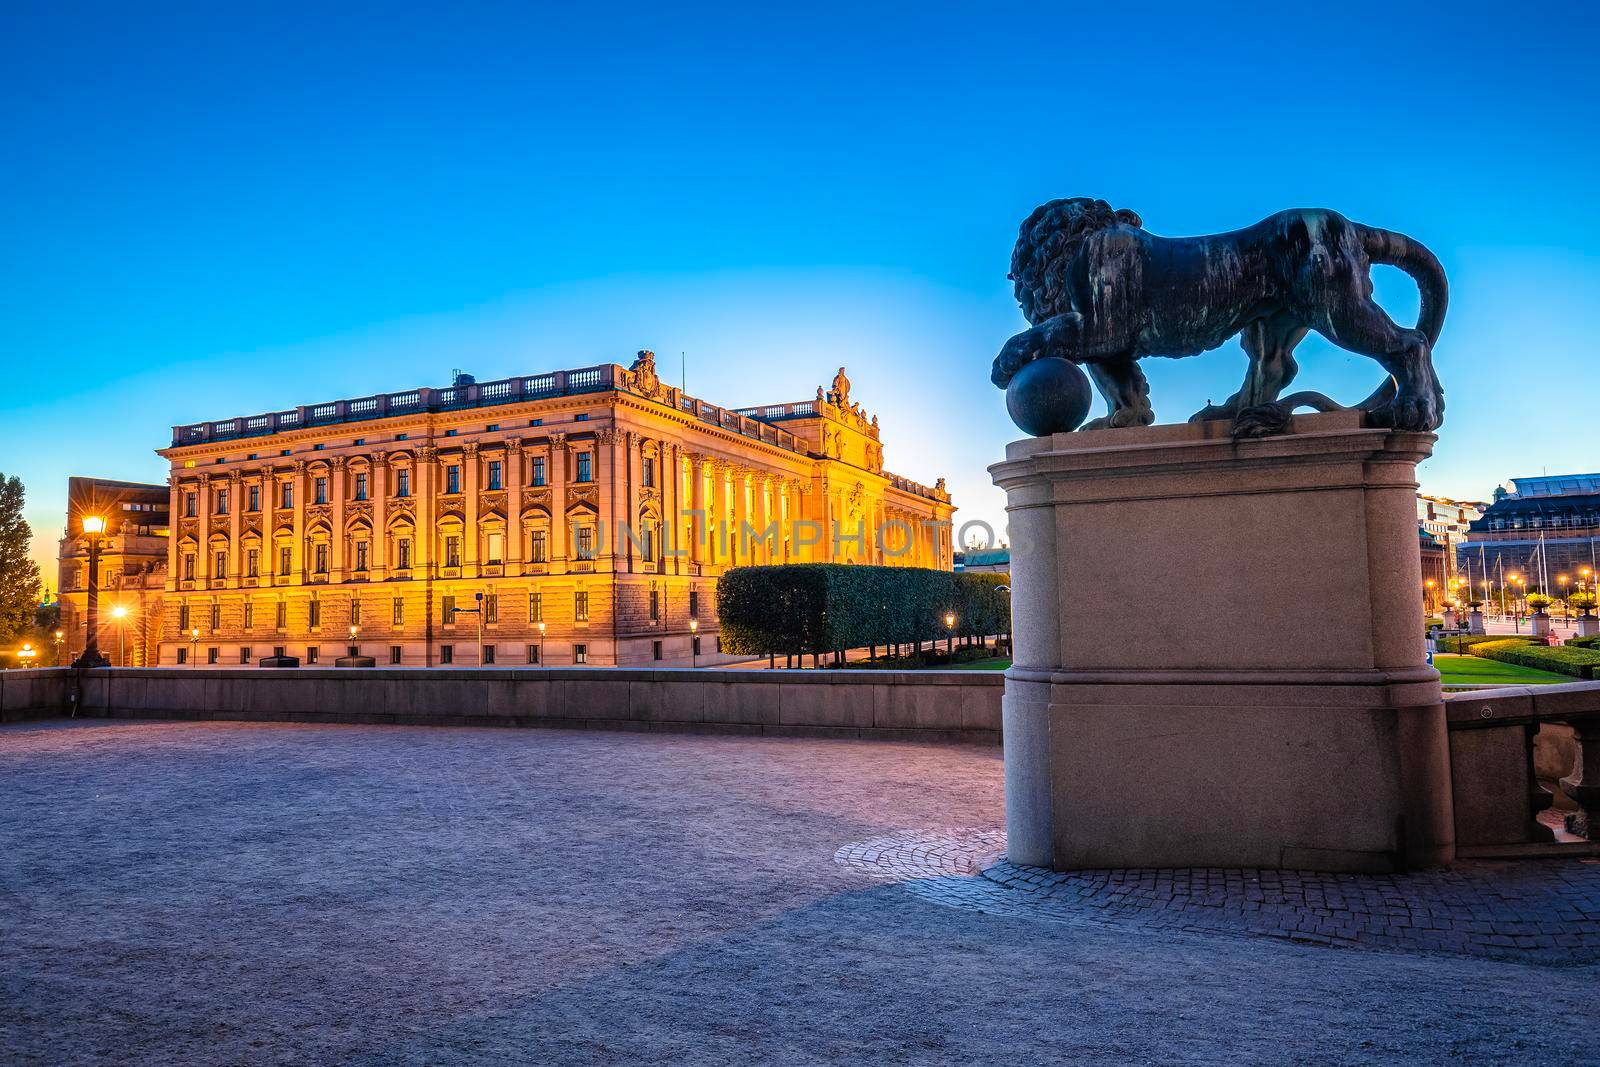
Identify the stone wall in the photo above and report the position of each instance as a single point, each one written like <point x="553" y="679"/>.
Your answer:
<point x="33" y="694"/>
<point x="905" y="705"/>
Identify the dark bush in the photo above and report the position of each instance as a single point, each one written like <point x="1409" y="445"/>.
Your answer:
<point x="808" y="608"/>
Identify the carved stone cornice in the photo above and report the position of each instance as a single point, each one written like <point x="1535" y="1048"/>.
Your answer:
<point x="428" y="453"/>
<point x="470" y="448"/>
<point x="608" y="435"/>
<point x="403" y="503"/>
<point x="319" y="511"/>
<point x="558" y="440"/>
<point x="339" y="463"/>
<point x="494" y="500"/>
<point x="513" y="443"/>
<point x="361" y="508"/>
<point x="299" y="467"/>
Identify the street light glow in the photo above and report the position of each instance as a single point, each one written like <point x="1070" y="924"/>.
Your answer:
<point x="93" y="524"/>
<point x="119" y="611"/>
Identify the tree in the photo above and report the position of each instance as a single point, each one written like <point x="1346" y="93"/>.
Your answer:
<point x="19" y="575"/>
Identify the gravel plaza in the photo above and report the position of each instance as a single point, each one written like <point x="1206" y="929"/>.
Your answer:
<point x="209" y="893"/>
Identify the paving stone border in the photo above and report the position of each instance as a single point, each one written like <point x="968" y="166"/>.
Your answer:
<point x="1541" y="911"/>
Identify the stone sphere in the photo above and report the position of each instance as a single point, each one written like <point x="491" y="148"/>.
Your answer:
<point x="1049" y="395"/>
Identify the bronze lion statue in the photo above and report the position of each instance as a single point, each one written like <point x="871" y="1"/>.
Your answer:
<point x="1102" y="292"/>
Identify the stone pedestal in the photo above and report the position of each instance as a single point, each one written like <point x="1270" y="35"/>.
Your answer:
<point x="1475" y="622"/>
<point x="1588" y="625"/>
<point x="1449" y="620"/>
<point x="1219" y="652"/>
<point x="1539" y="625"/>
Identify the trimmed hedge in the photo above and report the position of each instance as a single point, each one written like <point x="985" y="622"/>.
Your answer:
<point x="1465" y="642"/>
<point x="1585" y="642"/>
<point x="805" y="608"/>
<point x="1562" y="659"/>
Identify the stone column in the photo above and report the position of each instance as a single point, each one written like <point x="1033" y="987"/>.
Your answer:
<point x="698" y="552"/>
<point x="427" y="475"/>
<point x="632" y="466"/>
<point x="202" y="571"/>
<point x="719" y="512"/>
<point x="671" y="530"/>
<point x="557" y="464"/>
<point x="470" y="470"/>
<point x="268" y="570"/>
<point x="336" y="482"/>
<point x="607" y="463"/>
<point x="380" y="516"/>
<point x="514" y="487"/>
<point x="738" y="489"/>
<point x="297" y="551"/>
<point x="235" y="529"/>
<point x="759" y="551"/>
<point x="1219" y="656"/>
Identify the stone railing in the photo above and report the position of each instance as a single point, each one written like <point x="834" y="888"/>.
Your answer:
<point x="896" y="705"/>
<point x="1502" y="743"/>
<point x="526" y="387"/>
<point x="42" y="693"/>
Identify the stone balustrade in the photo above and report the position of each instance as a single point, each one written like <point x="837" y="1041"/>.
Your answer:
<point x="1500" y="741"/>
<point x="891" y="705"/>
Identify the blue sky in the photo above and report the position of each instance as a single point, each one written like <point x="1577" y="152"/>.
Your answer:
<point x="212" y="212"/>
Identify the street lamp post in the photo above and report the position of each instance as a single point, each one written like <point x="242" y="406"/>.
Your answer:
<point x="541" y="642"/>
<point x="694" y="653"/>
<point x="949" y="633"/>
<point x="59" y="635"/>
<point x="355" y="649"/>
<point x="94" y="527"/>
<point x="26" y="655"/>
<point x="194" y="647"/>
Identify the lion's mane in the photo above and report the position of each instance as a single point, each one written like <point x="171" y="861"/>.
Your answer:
<point x="1046" y="244"/>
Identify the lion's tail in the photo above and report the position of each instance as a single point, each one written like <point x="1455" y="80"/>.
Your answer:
<point x="1413" y="257"/>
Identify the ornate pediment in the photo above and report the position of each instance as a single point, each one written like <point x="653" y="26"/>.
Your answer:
<point x="362" y="508"/>
<point x="495" y="501"/>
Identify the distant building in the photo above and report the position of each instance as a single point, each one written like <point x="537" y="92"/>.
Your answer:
<point x="984" y="560"/>
<point x="133" y="569"/>
<point x="1537" y="527"/>
<point x="1443" y="524"/>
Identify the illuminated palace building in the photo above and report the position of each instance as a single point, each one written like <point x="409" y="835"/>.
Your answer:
<point x="578" y="516"/>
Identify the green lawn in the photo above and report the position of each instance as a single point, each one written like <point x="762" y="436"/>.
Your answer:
<point x="1473" y="670"/>
<point x="982" y="665"/>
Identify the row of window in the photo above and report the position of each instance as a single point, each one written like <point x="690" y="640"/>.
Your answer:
<point x="447" y="653"/>
<point x="489" y="606"/>
<point x="494" y="553"/>
<point x="402" y="488"/>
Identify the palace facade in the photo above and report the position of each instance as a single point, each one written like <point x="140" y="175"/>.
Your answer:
<point x="577" y="516"/>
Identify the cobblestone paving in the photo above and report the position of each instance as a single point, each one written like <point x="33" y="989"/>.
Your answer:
<point x="1545" y="912"/>
<point x="212" y="893"/>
